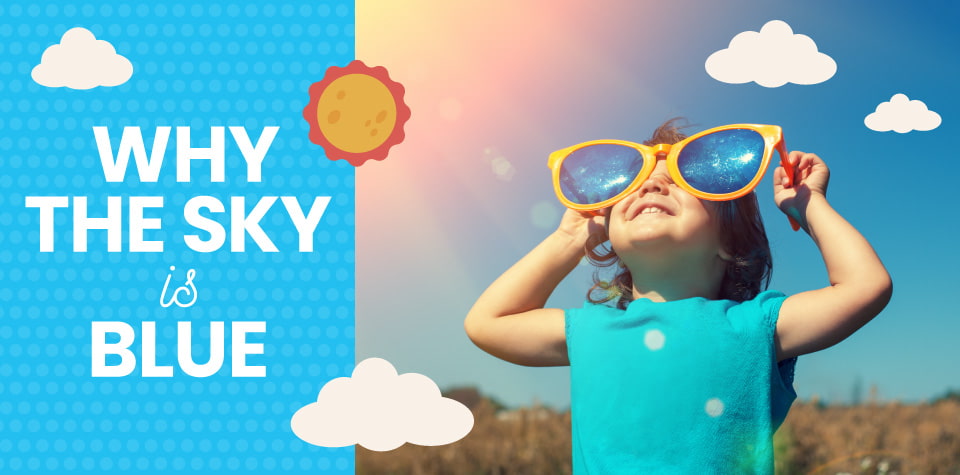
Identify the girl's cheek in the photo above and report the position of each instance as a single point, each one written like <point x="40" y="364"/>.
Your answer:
<point x="621" y="206"/>
<point x="618" y="233"/>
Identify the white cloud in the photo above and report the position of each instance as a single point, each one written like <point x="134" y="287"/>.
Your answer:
<point x="381" y="411"/>
<point x="771" y="57"/>
<point x="902" y="115"/>
<point x="81" y="61"/>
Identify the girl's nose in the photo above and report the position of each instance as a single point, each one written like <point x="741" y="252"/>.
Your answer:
<point x="658" y="181"/>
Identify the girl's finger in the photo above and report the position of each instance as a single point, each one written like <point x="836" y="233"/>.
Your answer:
<point x="780" y="177"/>
<point x="794" y="157"/>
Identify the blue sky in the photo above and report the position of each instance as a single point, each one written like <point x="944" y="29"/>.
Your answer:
<point x="455" y="220"/>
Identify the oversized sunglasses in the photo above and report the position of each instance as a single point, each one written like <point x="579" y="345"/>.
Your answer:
<point x="718" y="164"/>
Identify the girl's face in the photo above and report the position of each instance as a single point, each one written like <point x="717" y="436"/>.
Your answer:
<point x="660" y="217"/>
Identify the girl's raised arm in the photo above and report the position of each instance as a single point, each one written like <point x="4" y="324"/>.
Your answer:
<point x="509" y="321"/>
<point x="860" y="286"/>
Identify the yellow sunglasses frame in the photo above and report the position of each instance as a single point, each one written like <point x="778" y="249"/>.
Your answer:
<point x="772" y="137"/>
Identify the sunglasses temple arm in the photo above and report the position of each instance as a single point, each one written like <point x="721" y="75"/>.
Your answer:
<point x="793" y="223"/>
<point x="790" y="172"/>
<point x="788" y="169"/>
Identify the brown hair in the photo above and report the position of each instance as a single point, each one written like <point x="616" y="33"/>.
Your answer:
<point x="742" y="235"/>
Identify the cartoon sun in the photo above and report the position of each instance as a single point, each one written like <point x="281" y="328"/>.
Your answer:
<point x="356" y="113"/>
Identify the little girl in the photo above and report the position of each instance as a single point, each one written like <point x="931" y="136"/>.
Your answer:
<point x="692" y="370"/>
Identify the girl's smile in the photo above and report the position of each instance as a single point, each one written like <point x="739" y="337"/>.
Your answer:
<point x="650" y="207"/>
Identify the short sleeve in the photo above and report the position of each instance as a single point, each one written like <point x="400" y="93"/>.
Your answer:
<point x="570" y="317"/>
<point x="575" y="322"/>
<point x="769" y="303"/>
<point x="781" y="377"/>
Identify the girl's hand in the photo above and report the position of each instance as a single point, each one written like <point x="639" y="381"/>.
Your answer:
<point x="582" y="227"/>
<point x="811" y="177"/>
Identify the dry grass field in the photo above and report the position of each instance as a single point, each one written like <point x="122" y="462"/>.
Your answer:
<point x="816" y="439"/>
<point x="873" y="438"/>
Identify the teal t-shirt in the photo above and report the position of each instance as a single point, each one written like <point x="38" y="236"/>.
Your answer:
<point x="690" y="386"/>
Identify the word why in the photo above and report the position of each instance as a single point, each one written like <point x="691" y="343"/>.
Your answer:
<point x="131" y="141"/>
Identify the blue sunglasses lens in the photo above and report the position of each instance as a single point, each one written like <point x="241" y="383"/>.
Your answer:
<point x="596" y="173"/>
<point x="722" y="162"/>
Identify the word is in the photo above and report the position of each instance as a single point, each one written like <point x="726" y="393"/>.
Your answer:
<point x="188" y="289"/>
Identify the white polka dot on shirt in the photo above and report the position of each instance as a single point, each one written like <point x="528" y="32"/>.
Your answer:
<point x="654" y="339"/>
<point x="714" y="407"/>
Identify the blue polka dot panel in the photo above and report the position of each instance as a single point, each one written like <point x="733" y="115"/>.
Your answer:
<point x="176" y="255"/>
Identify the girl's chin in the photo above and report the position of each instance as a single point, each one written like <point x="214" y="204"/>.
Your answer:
<point x="648" y="233"/>
<point x="655" y="243"/>
<point x="646" y="243"/>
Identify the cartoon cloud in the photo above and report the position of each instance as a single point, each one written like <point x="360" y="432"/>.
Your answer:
<point x="81" y="61"/>
<point x="771" y="57"/>
<point x="902" y="115"/>
<point x="381" y="410"/>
